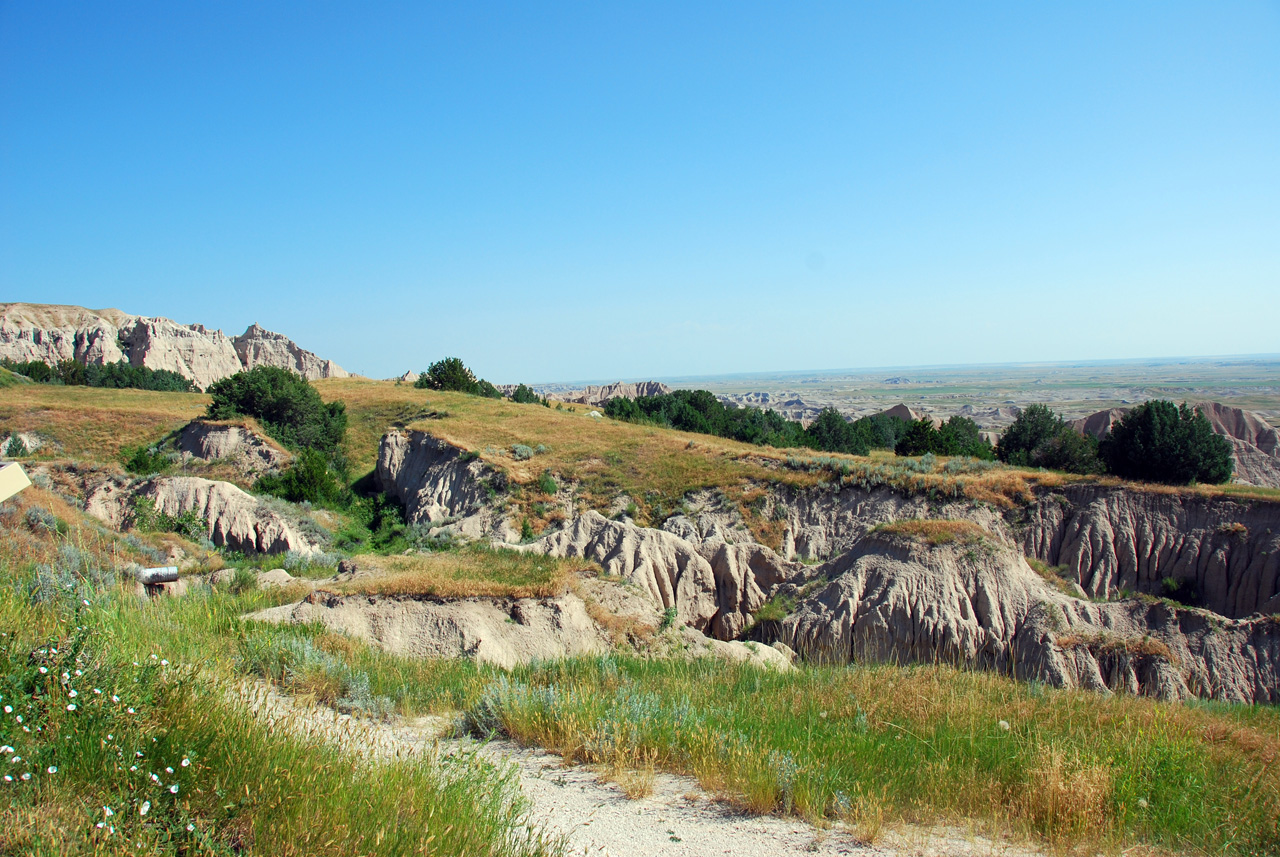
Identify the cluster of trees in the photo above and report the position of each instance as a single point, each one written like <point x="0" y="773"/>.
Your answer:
<point x="1041" y="438"/>
<point x="452" y="374"/>
<point x="118" y="376"/>
<point x="700" y="411"/>
<point x="1155" y="442"/>
<point x="290" y="410"/>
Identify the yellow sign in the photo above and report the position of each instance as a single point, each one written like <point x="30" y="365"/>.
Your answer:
<point x="12" y="480"/>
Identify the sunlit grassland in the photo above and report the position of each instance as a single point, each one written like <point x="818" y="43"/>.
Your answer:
<point x="94" y="423"/>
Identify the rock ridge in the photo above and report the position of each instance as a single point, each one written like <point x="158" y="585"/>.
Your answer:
<point x="52" y="332"/>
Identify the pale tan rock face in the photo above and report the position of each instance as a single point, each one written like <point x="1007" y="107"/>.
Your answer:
<point x="251" y="452"/>
<point x="897" y="601"/>
<point x="665" y="567"/>
<point x="235" y="518"/>
<point x="433" y="482"/>
<point x="504" y="632"/>
<point x="193" y="351"/>
<point x="1225" y="552"/>
<point x="50" y="333"/>
<point x="258" y="346"/>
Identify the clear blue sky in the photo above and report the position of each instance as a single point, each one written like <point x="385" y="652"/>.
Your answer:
<point x="601" y="190"/>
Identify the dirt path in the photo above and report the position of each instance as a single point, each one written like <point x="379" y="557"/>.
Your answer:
<point x="596" y="819"/>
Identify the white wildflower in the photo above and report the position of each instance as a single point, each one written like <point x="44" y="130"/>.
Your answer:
<point x="173" y="789"/>
<point x="1004" y="725"/>
<point x="145" y="808"/>
<point x="53" y="769"/>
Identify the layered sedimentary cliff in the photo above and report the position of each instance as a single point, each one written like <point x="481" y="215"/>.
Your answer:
<point x="49" y="333"/>
<point x="978" y="603"/>
<point x="436" y="482"/>
<point x="981" y="605"/>
<point x="1217" y="553"/>
<point x="253" y="453"/>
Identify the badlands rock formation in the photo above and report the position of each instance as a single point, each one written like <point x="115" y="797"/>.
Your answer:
<point x="500" y="631"/>
<point x="893" y="599"/>
<point x="602" y="395"/>
<point x="50" y="333"/>
<point x="1217" y="553"/>
<point x="236" y="519"/>
<point x="884" y="597"/>
<point x="902" y="412"/>
<point x="253" y="453"/>
<point x="1255" y="444"/>
<point x="258" y="346"/>
<point x="436" y="482"/>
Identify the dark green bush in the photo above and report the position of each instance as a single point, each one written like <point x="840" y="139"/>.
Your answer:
<point x="289" y="408"/>
<point x="525" y="396"/>
<point x="1160" y="442"/>
<point x="449" y="374"/>
<point x="487" y="390"/>
<point x="144" y="460"/>
<point x="831" y="432"/>
<point x="921" y="438"/>
<point x="144" y="516"/>
<point x="1041" y="438"/>
<point x="309" y="479"/>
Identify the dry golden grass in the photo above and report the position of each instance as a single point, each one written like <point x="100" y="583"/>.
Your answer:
<point x="473" y="572"/>
<point x="1104" y="643"/>
<point x="935" y="532"/>
<point x="95" y="424"/>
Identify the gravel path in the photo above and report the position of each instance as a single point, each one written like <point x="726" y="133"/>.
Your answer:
<point x="597" y="820"/>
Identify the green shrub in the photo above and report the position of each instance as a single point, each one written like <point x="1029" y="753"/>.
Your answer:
<point x="449" y="374"/>
<point x="289" y="408"/>
<point x="1041" y="438"/>
<point x="525" y="396"/>
<point x="144" y="516"/>
<point x="309" y="479"/>
<point x="1160" y="442"/>
<point x="145" y="460"/>
<point x="547" y="483"/>
<point x="16" y="448"/>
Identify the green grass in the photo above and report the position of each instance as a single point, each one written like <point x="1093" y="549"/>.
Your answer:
<point x="152" y="686"/>
<point x="10" y="378"/>
<point x="871" y="745"/>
